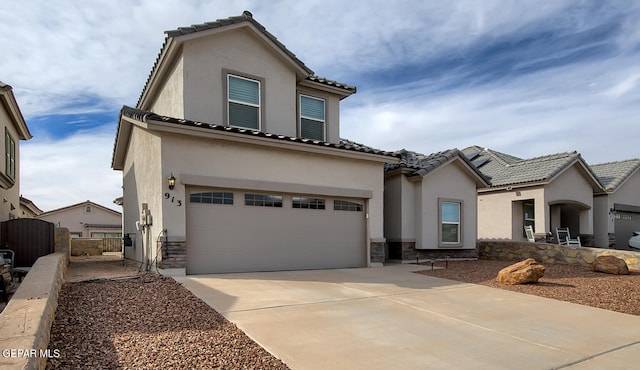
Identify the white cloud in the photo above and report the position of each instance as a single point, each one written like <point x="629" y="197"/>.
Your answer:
<point x="66" y="56"/>
<point x="56" y="174"/>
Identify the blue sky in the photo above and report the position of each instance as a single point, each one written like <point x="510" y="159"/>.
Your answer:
<point x="528" y="78"/>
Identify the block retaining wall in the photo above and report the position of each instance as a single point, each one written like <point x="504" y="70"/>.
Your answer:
<point x="26" y="320"/>
<point x="511" y="250"/>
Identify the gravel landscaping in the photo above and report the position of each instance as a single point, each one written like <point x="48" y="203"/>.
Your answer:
<point x="147" y="322"/>
<point x="570" y="283"/>
<point x="151" y="322"/>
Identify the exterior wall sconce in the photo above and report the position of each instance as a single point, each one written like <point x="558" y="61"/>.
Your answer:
<point x="172" y="182"/>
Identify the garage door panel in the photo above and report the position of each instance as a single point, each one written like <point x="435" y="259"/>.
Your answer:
<point x="237" y="238"/>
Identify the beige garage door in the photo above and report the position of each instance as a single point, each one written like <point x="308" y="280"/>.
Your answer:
<point x="241" y="231"/>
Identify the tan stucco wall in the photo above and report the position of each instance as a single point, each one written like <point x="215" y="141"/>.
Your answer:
<point x="602" y="221"/>
<point x="170" y="99"/>
<point x="194" y="87"/>
<point x="393" y="207"/>
<point x="497" y="216"/>
<point x="143" y="182"/>
<point x="12" y="194"/>
<point x="411" y="208"/>
<point x="572" y="185"/>
<point x="629" y="192"/>
<point x="185" y="155"/>
<point x="237" y="50"/>
<point x="449" y="182"/>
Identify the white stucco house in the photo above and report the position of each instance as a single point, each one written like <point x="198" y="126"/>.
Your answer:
<point x="617" y="208"/>
<point x="431" y="206"/>
<point x="545" y="192"/>
<point x="232" y="160"/>
<point x="14" y="129"/>
<point x="86" y="220"/>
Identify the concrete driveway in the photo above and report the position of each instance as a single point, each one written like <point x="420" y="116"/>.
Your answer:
<point x="392" y="318"/>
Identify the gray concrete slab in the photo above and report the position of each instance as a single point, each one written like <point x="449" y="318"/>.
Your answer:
<point x="390" y="317"/>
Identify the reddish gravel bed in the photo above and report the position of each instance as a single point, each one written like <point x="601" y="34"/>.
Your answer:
<point x="570" y="283"/>
<point x="148" y="322"/>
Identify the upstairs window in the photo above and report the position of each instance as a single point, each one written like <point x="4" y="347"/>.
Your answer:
<point x="312" y="123"/>
<point x="10" y="155"/>
<point x="244" y="102"/>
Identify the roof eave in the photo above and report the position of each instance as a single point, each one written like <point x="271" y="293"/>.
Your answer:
<point x="10" y="103"/>
<point x="121" y="144"/>
<point x="158" y="125"/>
<point x="342" y="92"/>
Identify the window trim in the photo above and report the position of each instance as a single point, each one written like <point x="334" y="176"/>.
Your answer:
<point x="301" y="117"/>
<point x="226" y="73"/>
<point x="460" y="223"/>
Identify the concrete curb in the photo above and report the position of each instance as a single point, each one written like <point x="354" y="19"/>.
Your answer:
<point x="26" y="321"/>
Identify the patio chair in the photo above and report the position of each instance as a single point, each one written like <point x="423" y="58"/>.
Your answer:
<point x="564" y="237"/>
<point x="529" y="231"/>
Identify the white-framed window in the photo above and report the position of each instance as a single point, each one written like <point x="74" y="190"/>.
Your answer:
<point x="450" y="222"/>
<point x="88" y="209"/>
<point x="243" y="102"/>
<point x="312" y="118"/>
<point x="10" y="154"/>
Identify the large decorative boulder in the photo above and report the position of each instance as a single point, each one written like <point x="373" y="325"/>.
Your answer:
<point x="610" y="265"/>
<point x="523" y="272"/>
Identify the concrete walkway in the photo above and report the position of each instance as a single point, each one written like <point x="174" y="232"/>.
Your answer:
<point x="391" y="318"/>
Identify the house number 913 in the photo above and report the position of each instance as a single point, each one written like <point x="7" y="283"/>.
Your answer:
<point x="173" y="199"/>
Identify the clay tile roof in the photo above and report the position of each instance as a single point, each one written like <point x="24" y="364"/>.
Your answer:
<point x="423" y="164"/>
<point x="144" y="116"/>
<point x="505" y="170"/>
<point x="614" y="174"/>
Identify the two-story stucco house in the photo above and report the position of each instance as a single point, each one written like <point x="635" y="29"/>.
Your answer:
<point x="431" y="206"/>
<point x="232" y="160"/>
<point x="14" y="128"/>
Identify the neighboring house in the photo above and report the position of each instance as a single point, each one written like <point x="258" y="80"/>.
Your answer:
<point x="14" y="129"/>
<point x="28" y="209"/>
<point x="617" y="209"/>
<point x="232" y="160"/>
<point x="545" y="192"/>
<point x="431" y="205"/>
<point x="86" y="220"/>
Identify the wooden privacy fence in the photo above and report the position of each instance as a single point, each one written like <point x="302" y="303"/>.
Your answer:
<point x="28" y="238"/>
